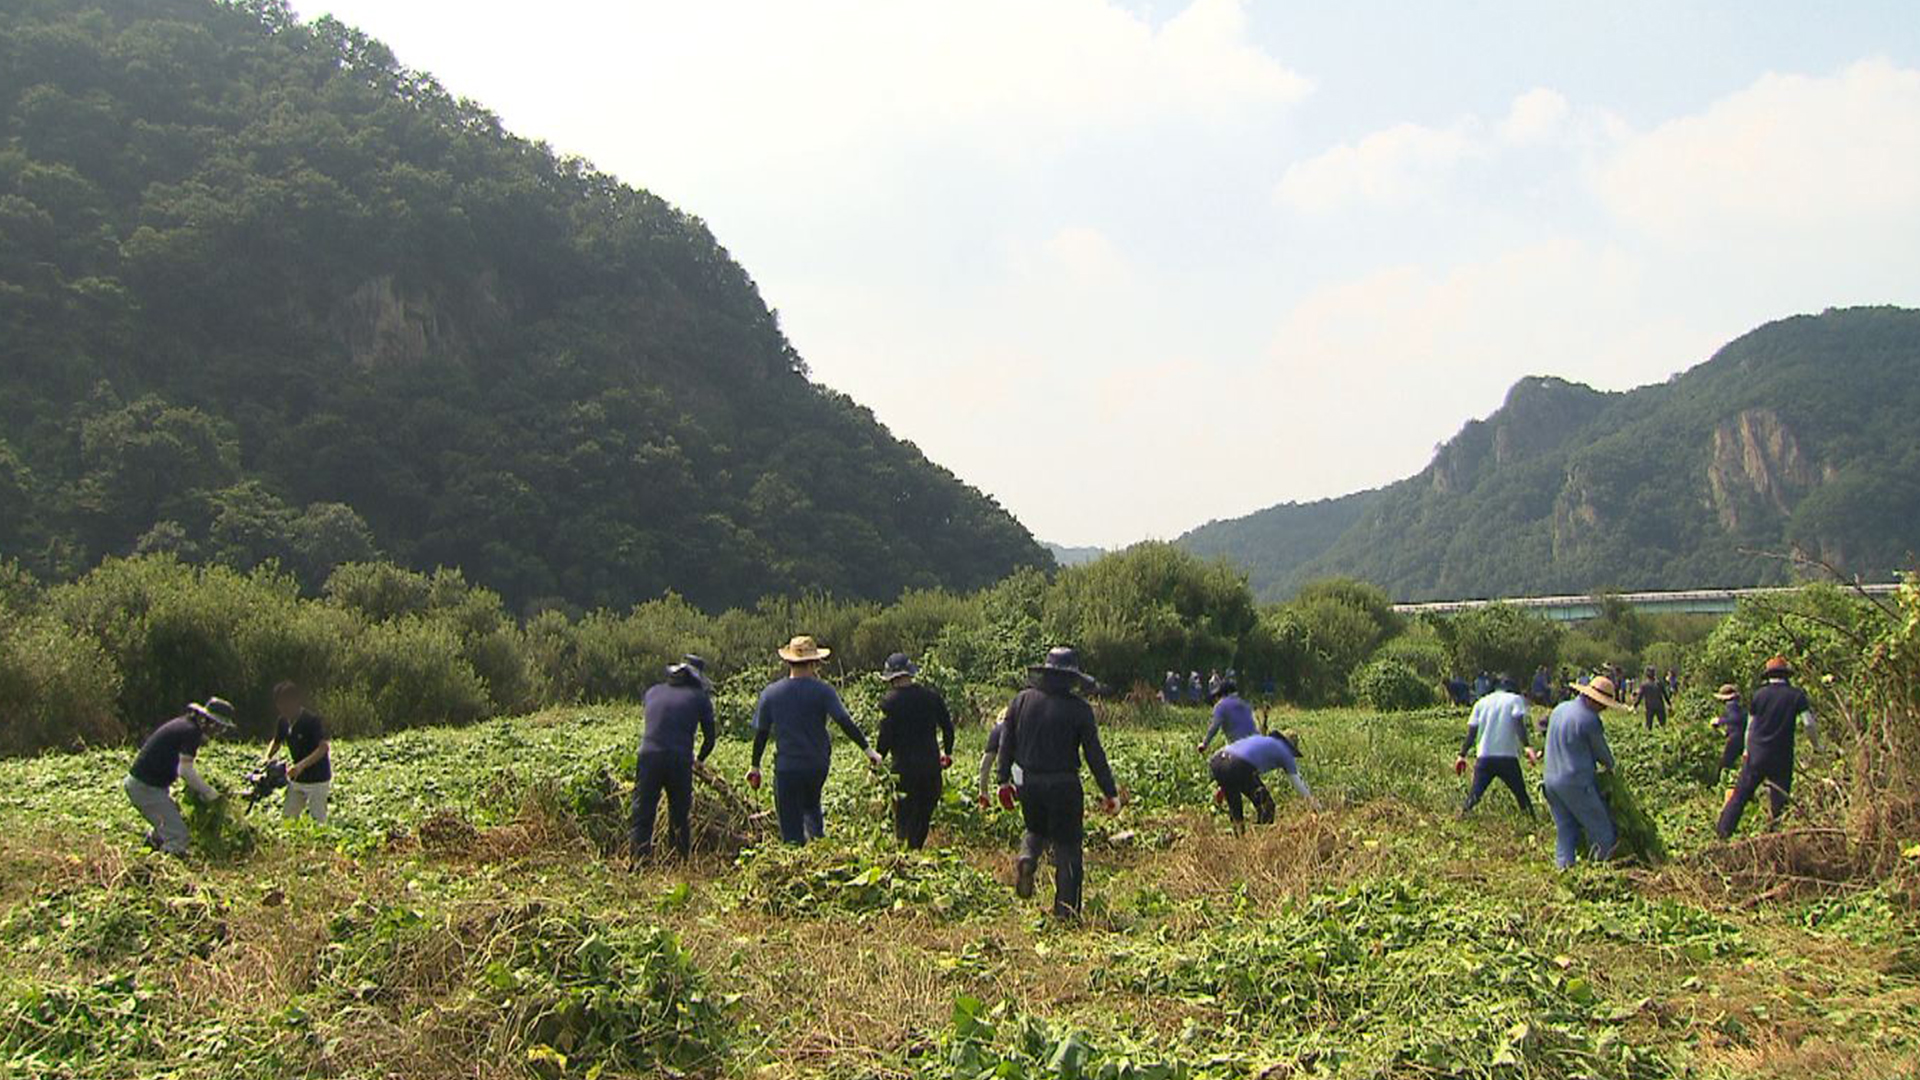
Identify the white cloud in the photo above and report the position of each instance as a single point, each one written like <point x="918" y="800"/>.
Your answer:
<point x="1832" y="160"/>
<point x="1535" y="116"/>
<point x="1388" y="167"/>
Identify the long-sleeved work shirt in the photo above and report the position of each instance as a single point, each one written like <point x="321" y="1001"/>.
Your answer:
<point x="915" y="728"/>
<point x="794" y="713"/>
<point x="1576" y="743"/>
<point x="675" y="711"/>
<point x="1234" y="716"/>
<point x="1048" y="730"/>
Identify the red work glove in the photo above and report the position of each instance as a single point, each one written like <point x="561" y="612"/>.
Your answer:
<point x="753" y="779"/>
<point x="946" y="762"/>
<point x="1219" y="795"/>
<point x="1006" y="796"/>
<point x="1459" y="766"/>
<point x="1110" y="804"/>
<point x="983" y="801"/>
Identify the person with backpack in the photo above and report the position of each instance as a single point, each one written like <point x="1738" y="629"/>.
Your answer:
<point x="167" y="755"/>
<point x="1049" y="728"/>
<point x="916" y="730"/>
<point x="1498" y="729"/>
<point x="309" y="754"/>
<point x="1237" y="768"/>
<point x="1231" y="716"/>
<point x="793" y="712"/>
<point x="675" y="710"/>
<point x="1576" y="750"/>
<point x="1777" y="708"/>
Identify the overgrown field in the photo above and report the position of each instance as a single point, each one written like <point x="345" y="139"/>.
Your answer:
<point x="464" y="916"/>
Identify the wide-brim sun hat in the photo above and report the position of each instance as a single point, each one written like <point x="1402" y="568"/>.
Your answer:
<point x="804" y="650"/>
<point x="691" y="664"/>
<point x="899" y="666"/>
<point x="1727" y="692"/>
<point x="1600" y="691"/>
<point x="1062" y="661"/>
<point x="217" y="709"/>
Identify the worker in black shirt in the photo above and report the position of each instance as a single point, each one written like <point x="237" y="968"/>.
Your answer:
<point x="167" y="756"/>
<point x="309" y="754"/>
<point x="916" y="730"/>
<point x="1776" y="708"/>
<point x="1048" y="729"/>
<point x="1652" y="697"/>
<point x="675" y="709"/>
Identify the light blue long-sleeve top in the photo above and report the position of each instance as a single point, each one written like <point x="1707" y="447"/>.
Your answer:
<point x="1576" y="743"/>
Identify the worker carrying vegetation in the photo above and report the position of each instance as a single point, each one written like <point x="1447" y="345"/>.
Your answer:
<point x="1732" y="721"/>
<point x="166" y="756"/>
<point x="309" y="754"/>
<point x="1778" y="707"/>
<point x="916" y="730"/>
<point x="1652" y="697"/>
<point x="1498" y="727"/>
<point x="1231" y="714"/>
<point x="1576" y="749"/>
<point x="675" y="710"/>
<point x="793" y="712"/>
<point x="1237" y="768"/>
<point x="1048" y="730"/>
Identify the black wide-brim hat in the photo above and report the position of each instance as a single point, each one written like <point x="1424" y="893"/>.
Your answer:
<point x="1063" y="661"/>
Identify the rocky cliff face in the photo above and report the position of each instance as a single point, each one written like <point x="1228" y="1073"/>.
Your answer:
<point x="1757" y="466"/>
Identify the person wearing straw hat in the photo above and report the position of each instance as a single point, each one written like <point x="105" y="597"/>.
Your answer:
<point x="1048" y="729"/>
<point x="793" y="712"/>
<point x="1733" y="722"/>
<point x="675" y="710"/>
<point x="1777" y="707"/>
<point x="916" y="730"/>
<point x="1576" y="750"/>
<point x="167" y="755"/>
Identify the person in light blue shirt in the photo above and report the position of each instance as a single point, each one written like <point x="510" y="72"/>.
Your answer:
<point x="1237" y="767"/>
<point x="1499" y="728"/>
<point x="1576" y="749"/>
<point x="1232" y="715"/>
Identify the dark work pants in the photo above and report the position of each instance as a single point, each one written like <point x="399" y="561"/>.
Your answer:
<point x="1505" y="769"/>
<point x="1736" y="745"/>
<point x="1054" y="810"/>
<point x="1241" y="780"/>
<point x="916" y="793"/>
<point x="796" y="798"/>
<point x="1656" y="716"/>
<point x="655" y="774"/>
<point x="1775" y="774"/>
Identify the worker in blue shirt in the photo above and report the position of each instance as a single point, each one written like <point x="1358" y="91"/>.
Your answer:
<point x="793" y="713"/>
<point x="1777" y="707"/>
<point x="676" y="711"/>
<point x="1576" y="750"/>
<point x="1237" y="767"/>
<point x="1231" y="715"/>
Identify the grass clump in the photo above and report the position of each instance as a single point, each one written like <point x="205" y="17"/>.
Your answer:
<point x="863" y="880"/>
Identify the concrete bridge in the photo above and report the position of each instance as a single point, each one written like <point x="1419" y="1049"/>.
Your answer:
<point x="1573" y="609"/>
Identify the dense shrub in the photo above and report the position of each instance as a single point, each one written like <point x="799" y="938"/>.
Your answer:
<point x="412" y="672"/>
<point x="58" y="689"/>
<point x="1149" y="609"/>
<point x="1391" y="685"/>
<point x="1503" y="638"/>
<point x="1422" y="650"/>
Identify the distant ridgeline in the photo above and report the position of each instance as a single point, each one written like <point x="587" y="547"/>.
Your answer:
<point x="1804" y="435"/>
<point x="265" y="294"/>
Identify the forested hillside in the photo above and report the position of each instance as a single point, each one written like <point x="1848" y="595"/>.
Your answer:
<point x="264" y="294"/>
<point x="1801" y="435"/>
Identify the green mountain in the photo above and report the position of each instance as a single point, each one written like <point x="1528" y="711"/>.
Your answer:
<point x="266" y="294"/>
<point x="1073" y="556"/>
<point x="1801" y="436"/>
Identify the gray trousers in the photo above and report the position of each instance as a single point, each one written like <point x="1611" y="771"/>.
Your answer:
<point x="169" y="832"/>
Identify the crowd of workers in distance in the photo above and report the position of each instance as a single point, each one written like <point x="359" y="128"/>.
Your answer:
<point x="1033" y="756"/>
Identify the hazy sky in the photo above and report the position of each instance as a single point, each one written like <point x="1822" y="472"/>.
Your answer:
<point x="1131" y="266"/>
